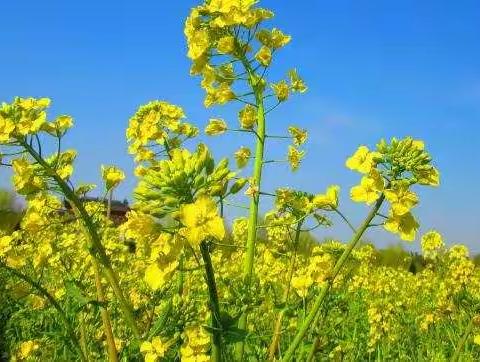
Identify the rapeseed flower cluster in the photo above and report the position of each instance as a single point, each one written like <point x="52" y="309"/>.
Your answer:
<point x="173" y="282"/>
<point x="390" y="171"/>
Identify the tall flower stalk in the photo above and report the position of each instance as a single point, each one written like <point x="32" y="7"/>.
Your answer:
<point x="312" y="315"/>
<point x="389" y="173"/>
<point x="97" y="249"/>
<point x="256" y="182"/>
<point x="233" y="55"/>
<point x="35" y="174"/>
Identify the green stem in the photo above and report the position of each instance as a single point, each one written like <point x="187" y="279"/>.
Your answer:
<point x="313" y="349"/>
<point x="278" y="324"/>
<point x="463" y="341"/>
<point x="105" y="315"/>
<point x="311" y="317"/>
<point x="109" y="204"/>
<point x="53" y="302"/>
<point x="214" y="304"/>
<point x="253" y="215"/>
<point x="83" y="336"/>
<point x="106" y="321"/>
<point x="97" y="251"/>
<point x="254" y="203"/>
<point x="181" y="275"/>
<point x="344" y="218"/>
<point x="316" y="341"/>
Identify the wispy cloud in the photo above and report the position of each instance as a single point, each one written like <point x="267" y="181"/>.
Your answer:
<point x="474" y="93"/>
<point x="338" y="119"/>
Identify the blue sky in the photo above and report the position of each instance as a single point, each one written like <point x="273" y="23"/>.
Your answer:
<point x="375" y="69"/>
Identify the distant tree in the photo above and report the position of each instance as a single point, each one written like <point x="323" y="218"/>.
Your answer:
<point x="306" y="243"/>
<point x="10" y="211"/>
<point x="476" y="259"/>
<point x="395" y="256"/>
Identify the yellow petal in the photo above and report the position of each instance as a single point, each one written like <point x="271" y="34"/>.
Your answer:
<point x="154" y="276"/>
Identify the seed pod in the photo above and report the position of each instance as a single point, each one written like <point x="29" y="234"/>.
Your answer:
<point x="221" y="175"/>
<point x="209" y="166"/>
<point x="216" y="190"/>
<point x="238" y="185"/>
<point x="198" y="181"/>
<point x="170" y="201"/>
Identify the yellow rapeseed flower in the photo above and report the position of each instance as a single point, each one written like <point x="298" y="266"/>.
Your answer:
<point x="112" y="176"/>
<point x="329" y="200"/>
<point x="362" y="160"/>
<point x="248" y="117"/>
<point x="198" y="43"/>
<point x="264" y="56"/>
<point x="201" y="221"/>
<point x="273" y="39"/>
<point x="153" y="350"/>
<point x="295" y="157"/>
<point x="279" y="39"/>
<point x="281" y="90"/>
<point x="429" y="176"/>
<point x="5" y="244"/>
<point x="226" y="44"/>
<point x="432" y="243"/>
<point x="156" y="277"/>
<point x="27" y="348"/>
<point x="369" y="189"/>
<point x="7" y="128"/>
<point x="401" y="198"/>
<point x="216" y="127"/>
<point x="301" y="284"/>
<point x="405" y="225"/>
<point x="242" y="155"/>
<point x="299" y="135"/>
<point x="297" y="83"/>
<point x="25" y="178"/>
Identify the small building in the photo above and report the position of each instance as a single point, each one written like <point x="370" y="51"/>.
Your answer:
<point x="118" y="209"/>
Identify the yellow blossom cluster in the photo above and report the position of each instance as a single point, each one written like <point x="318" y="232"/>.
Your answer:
<point x="389" y="173"/>
<point x="112" y="176"/>
<point x="27" y="116"/>
<point x="157" y="124"/>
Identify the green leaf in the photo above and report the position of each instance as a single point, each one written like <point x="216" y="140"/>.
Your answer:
<point x="227" y="320"/>
<point x="234" y="335"/>
<point x="73" y="291"/>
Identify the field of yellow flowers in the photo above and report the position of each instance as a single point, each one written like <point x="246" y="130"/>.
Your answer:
<point x="176" y="282"/>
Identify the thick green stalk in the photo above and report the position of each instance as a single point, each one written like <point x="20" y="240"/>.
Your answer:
<point x="97" y="250"/>
<point x="214" y="304"/>
<point x="253" y="210"/>
<point x="255" y="201"/>
<point x="44" y="292"/>
<point x="312" y="315"/>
